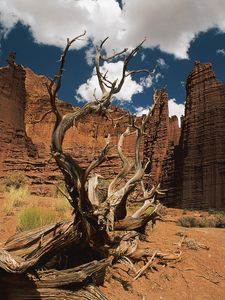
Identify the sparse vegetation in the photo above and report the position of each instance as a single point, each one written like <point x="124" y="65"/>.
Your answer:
<point x="217" y="221"/>
<point x="192" y="244"/>
<point x="34" y="217"/>
<point x="216" y="212"/>
<point x="16" y="181"/>
<point x="16" y="198"/>
<point x="63" y="206"/>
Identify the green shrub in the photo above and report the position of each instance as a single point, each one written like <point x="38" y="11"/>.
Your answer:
<point x="192" y="244"/>
<point x="217" y="221"/>
<point x="216" y="212"/>
<point x="34" y="217"/>
<point x="16" y="198"/>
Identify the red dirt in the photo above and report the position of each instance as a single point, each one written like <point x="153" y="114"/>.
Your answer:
<point x="199" y="275"/>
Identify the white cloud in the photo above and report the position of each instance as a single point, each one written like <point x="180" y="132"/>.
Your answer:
<point x="221" y="51"/>
<point x="90" y="56"/>
<point x="139" y="111"/>
<point x="158" y="76"/>
<point x="183" y="83"/>
<point x="143" y="56"/>
<point x="147" y="82"/>
<point x="85" y="91"/>
<point x="161" y="63"/>
<point x="170" y="25"/>
<point x="176" y="109"/>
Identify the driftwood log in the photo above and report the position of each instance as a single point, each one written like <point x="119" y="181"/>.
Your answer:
<point x="68" y="260"/>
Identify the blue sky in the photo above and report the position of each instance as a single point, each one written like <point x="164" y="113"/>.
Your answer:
<point x="177" y="32"/>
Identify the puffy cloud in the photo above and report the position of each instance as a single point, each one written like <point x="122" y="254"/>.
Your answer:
<point x="90" y="56"/>
<point x="161" y="63"/>
<point x="139" y="111"/>
<point x="220" y="51"/>
<point x="147" y="82"/>
<point x="175" y="109"/>
<point x="169" y="25"/>
<point x="86" y="91"/>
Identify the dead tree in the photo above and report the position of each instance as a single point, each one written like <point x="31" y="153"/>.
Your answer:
<point x="68" y="260"/>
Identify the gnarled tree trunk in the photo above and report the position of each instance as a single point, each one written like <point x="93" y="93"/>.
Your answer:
<point x="68" y="260"/>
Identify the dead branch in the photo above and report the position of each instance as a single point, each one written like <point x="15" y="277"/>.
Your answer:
<point x="146" y="266"/>
<point x="61" y="246"/>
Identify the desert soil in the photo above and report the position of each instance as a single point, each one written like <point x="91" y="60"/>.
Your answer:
<point x="199" y="275"/>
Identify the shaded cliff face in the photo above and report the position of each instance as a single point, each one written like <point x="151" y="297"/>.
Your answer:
<point x="15" y="146"/>
<point x="161" y="139"/>
<point x="26" y="140"/>
<point x="203" y="141"/>
<point x="191" y="167"/>
<point x="85" y="138"/>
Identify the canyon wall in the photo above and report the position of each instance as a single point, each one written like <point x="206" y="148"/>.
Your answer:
<point x="161" y="140"/>
<point x="190" y="163"/>
<point x="15" y="145"/>
<point x="203" y="141"/>
<point x="26" y="136"/>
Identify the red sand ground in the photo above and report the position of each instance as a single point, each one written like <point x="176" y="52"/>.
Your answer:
<point x="200" y="275"/>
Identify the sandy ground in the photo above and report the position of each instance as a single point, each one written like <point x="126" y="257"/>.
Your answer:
<point x="199" y="275"/>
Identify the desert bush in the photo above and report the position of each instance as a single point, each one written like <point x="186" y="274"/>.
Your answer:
<point x="192" y="244"/>
<point x="15" y="198"/>
<point x="34" y="217"/>
<point x="62" y="205"/>
<point x="60" y="186"/>
<point x="217" y="221"/>
<point x="216" y="212"/>
<point x="16" y="181"/>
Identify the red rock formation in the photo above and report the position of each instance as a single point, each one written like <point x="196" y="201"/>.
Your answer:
<point x="86" y="137"/>
<point x="15" y="146"/>
<point x="163" y="135"/>
<point x="26" y="142"/>
<point x="174" y="130"/>
<point x="203" y="141"/>
<point x="196" y="169"/>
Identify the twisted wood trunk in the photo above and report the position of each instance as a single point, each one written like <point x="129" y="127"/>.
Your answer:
<point x="68" y="260"/>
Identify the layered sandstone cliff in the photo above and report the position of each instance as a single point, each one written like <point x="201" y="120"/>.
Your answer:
<point x="161" y="139"/>
<point x="15" y="145"/>
<point x="203" y="141"/>
<point x="26" y="140"/>
<point x="192" y="167"/>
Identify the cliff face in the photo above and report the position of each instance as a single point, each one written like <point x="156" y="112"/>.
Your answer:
<point x="203" y="141"/>
<point x="15" y="146"/>
<point x="161" y="140"/>
<point x="26" y="140"/>
<point x="192" y="167"/>
<point x="84" y="139"/>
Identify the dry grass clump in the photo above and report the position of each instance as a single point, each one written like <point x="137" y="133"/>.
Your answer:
<point x="217" y="221"/>
<point x="32" y="213"/>
<point x="62" y="205"/>
<point x="16" y="198"/>
<point x="34" y="217"/>
<point x="16" y="181"/>
<point x="192" y="244"/>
